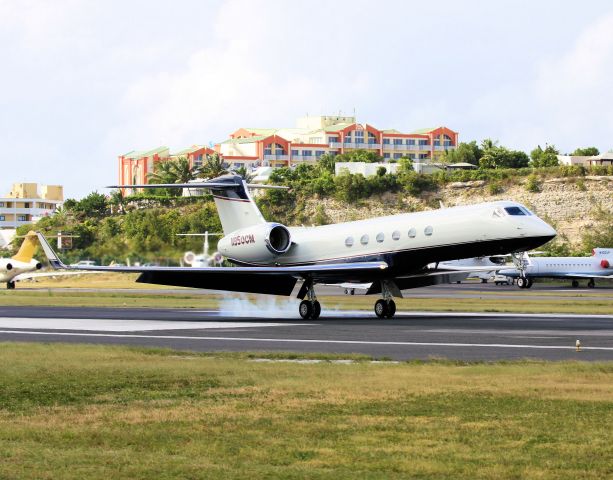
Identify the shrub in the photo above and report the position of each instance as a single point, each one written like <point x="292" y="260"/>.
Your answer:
<point x="495" y="188"/>
<point x="533" y="184"/>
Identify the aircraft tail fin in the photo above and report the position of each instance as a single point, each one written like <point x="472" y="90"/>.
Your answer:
<point x="28" y="246"/>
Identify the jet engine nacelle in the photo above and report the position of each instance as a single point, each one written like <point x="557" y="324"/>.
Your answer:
<point x="257" y="244"/>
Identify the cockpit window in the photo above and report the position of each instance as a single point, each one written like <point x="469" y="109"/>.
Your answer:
<point x="515" y="211"/>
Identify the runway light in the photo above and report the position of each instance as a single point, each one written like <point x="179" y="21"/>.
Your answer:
<point x="578" y="345"/>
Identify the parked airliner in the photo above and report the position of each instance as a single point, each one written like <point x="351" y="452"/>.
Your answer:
<point x="599" y="265"/>
<point x="391" y="253"/>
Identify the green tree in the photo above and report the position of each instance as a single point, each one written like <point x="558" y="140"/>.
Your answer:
<point x="213" y="167"/>
<point x="359" y="155"/>
<point x="93" y="205"/>
<point x="173" y="171"/>
<point x="464" y="153"/>
<point x="244" y="174"/>
<point x="586" y="152"/>
<point x="547" y="157"/>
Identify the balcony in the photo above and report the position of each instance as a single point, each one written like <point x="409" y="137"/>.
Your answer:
<point x="423" y="147"/>
<point x="440" y="148"/>
<point x="335" y="145"/>
<point x="276" y="157"/>
<point x="304" y="158"/>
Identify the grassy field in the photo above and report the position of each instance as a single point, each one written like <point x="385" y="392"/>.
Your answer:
<point x="187" y="299"/>
<point x="75" y="412"/>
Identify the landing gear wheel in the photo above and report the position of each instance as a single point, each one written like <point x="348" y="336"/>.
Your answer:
<point x="305" y="309"/>
<point x="575" y="284"/>
<point x="10" y="285"/>
<point x="530" y="282"/>
<point x="381" y="308"/>
<point x="522" y="282"/>
<point x="391" y="309"/>
<point x="591" y="283"/>
<point x="316" y="310"/>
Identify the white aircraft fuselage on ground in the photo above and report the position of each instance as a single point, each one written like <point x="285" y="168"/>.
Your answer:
<point x="20" y="265"/>
<point x="598" y="266"/>
<point x="390" y="253"/>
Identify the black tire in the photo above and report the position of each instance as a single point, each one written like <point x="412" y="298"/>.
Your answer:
<point x="10" y="285"/>
<point x="391" y="309"/>
<point x="591" y="284"/>
<point x="529" y="282"/>
<point x="316" y="310"/>
<point x="381" y="308"/>
<point x="522" y="282"/>
<point x="305" y="309"/>
<point x="575" y="284"/>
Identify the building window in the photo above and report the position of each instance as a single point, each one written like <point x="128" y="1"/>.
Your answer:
<point x="2" y="218"/>
<point x="372" y="139"/>
<point x="349" y="242"/>
<point x="319" y="153"/>
<point x="411" y="141"/>
<point x="386" y="155"/>
<point x="380" y="237"/>
<point x="386" y="141"/>
<point x="364" y="240"/>
<point x="423" y="142"/>
<point x="198" y="161"/>
<point x="423" y="156"/>
<point x="397" y="141"/>
<point x="428" y="230"/>
<point x="26" y="205"/>
<point x="1" y="204"/>
<point x="395" y="235"/>
<point x="446" y="140"/>
<point x="412" y="232"/>
<point x="21" y="218"/>
<point x="333" y="139"/>
<point x="398" y="155"/>
<point x="359" y="136"/>
<point x="437" y="142"/>
<point x="307" y="153"/>
<point x="295" y="152"/>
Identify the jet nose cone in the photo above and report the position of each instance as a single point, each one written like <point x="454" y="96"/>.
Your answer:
<point x="547" y="231"/>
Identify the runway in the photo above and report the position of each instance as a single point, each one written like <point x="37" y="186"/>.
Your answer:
<point x="411" y="335"/>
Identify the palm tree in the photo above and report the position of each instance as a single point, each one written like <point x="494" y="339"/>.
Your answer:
<point x="213" y="167"/>
<point x="244" y="174"/>
<point x="173" y="171"/>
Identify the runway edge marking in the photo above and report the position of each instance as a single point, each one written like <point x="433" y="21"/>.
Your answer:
<point x="306" y="340"/>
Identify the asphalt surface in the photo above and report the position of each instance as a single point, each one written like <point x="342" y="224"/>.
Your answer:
<point x="410" y="335"/>
<point x="544" y="291"/>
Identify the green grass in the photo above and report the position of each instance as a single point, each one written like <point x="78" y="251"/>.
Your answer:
<point x="66" y="298"/>
<point x="114" y="412"/>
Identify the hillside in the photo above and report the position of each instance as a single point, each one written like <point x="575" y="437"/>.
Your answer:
<point x="571" y="205"/>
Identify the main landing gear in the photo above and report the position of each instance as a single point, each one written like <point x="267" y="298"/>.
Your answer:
<point x="10" y="285"/>
<point x="310" y="308"/>
<point x="386" y="307"/>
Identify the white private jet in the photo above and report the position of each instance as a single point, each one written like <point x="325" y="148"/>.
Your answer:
<point x="390" y="253"/>
<point x="598" y="266"/>
<point x="205" y="259"/>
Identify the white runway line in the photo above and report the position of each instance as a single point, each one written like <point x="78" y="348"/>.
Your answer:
<point x="312" y="341"/>
<point x="404" y="314"/>
<point x="111" y="325"/>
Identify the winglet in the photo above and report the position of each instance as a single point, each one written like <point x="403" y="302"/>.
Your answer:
<point x="54" y="260"/>
<point x="26" y="251"/>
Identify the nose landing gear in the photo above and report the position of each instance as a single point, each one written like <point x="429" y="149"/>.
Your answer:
<point x="386" y="307"/>
<point x="10" y="285"/>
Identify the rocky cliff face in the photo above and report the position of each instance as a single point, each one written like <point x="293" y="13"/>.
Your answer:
<point x="569" y="204"/>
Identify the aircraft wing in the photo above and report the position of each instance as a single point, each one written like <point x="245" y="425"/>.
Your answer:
<point x="30" y="275"/>
<point x="269" y="280"/>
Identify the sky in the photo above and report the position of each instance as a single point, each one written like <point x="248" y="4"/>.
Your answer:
<point x="85" y="81"/>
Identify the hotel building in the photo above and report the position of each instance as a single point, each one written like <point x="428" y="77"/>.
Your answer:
<point x="24" y="204"/>
<point x="307" y="142"/>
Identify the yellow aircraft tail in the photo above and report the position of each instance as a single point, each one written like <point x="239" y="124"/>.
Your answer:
<point x="26" y="251"/>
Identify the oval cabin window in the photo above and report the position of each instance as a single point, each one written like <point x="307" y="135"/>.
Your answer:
<point x="428" y="230"/>
<point x="380" y="237"/>
<point x="412" y="233"/>
<point x="396" y="235"/>
<point x="349" y="242"/>
<point x="364" y="240"/>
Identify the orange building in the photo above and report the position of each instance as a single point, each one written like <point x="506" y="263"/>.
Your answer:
<point x="307" y="142"/>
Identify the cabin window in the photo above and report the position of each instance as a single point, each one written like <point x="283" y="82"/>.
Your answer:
<point x="395" y="235"/>
<point x="428" y="230"/>
<point x="412" y="233"/>
<point x="364" y="240"/>
<point x="380" y="237"/>
<point x="349" y="242"/>
<point x="515" y="211"/>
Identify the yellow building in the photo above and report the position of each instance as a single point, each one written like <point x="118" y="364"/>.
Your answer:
<point x="25" y="204"/>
